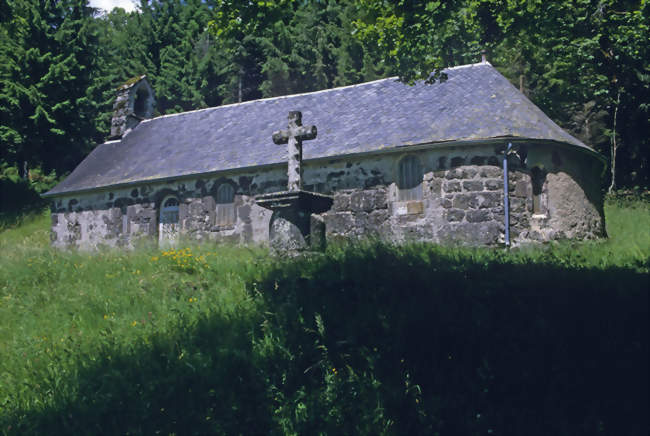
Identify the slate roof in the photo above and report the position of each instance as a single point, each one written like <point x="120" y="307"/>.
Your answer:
<point x="475" y="103"/>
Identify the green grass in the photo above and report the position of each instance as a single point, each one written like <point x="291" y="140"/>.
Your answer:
<point x="629" y="231"/>
<point x="62" y="312"/>
<point x="367" y="338"/>
<point x="22" y="232"/>
<point x="627" y="245"/>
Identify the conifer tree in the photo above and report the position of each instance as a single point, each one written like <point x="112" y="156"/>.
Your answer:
<point x="47" y="102"/>
<point x="123" y="54"/>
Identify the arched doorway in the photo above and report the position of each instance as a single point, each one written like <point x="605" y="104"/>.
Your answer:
<point x="168" y="227"/>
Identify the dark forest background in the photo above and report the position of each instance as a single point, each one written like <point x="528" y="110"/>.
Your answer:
<point x="585" y="63"/>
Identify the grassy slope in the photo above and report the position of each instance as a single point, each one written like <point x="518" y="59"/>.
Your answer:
<point x="61" y="312"/>
<point x="223" y="340"/>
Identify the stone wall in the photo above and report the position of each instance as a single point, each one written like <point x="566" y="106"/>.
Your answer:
<point x="133" y="103"/>
<point x="461" y="202"/>
<point x="126" y="217"/>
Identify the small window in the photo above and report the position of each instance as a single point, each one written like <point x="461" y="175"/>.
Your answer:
<point x="225" y="205"/>
<point x="409" y="180"/>
<point x="140" y="104"/>
<point x="537" y="180"/>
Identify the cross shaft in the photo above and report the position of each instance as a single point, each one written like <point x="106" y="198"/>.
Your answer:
<point x="293" y="137"/>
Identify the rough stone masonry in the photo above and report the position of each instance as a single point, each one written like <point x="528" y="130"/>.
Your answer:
<point x="397" y="162"/>
<point x="462" y="203"/>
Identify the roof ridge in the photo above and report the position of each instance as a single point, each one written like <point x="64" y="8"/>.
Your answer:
<point x="320" y="91"/>
<point x="477" y="64"/>
<point x="279" y="97"/>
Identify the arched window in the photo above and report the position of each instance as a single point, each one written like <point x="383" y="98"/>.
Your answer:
<point x="225" y="205"/>
<point x="409" y="181"/>
<point x="168" y="226"/>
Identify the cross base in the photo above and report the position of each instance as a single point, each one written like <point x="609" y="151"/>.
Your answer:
<point x="292" y="227"/>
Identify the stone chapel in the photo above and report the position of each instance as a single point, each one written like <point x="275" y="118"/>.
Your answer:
<point x="466" y="160"/>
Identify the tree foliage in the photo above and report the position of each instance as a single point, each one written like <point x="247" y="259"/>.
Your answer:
<point x="289" y="46"/>
<point x="585" y="63"/>
<point x="47" y="65"/>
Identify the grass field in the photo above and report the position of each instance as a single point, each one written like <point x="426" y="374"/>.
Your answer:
<point x="367" y="338"/>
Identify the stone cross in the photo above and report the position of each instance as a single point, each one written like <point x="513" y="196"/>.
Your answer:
<point x="294" y="136"/>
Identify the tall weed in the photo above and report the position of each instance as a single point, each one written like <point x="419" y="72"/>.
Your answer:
<point x="366" y="338"/>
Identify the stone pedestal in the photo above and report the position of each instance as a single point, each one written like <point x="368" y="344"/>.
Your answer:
<point x="292" y="226"/>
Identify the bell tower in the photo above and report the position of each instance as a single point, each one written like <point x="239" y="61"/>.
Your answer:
<point x="135" y="102"/>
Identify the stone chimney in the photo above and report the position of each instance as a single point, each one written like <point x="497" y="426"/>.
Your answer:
<point x="134" y="103"/>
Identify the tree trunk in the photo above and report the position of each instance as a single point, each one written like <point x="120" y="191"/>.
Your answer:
<point x="612" y="185"/>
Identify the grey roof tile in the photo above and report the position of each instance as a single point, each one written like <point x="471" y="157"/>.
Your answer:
<point x="475" y="102"/>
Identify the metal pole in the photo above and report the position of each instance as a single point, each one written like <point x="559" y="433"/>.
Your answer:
<point x="506" y="199"/>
